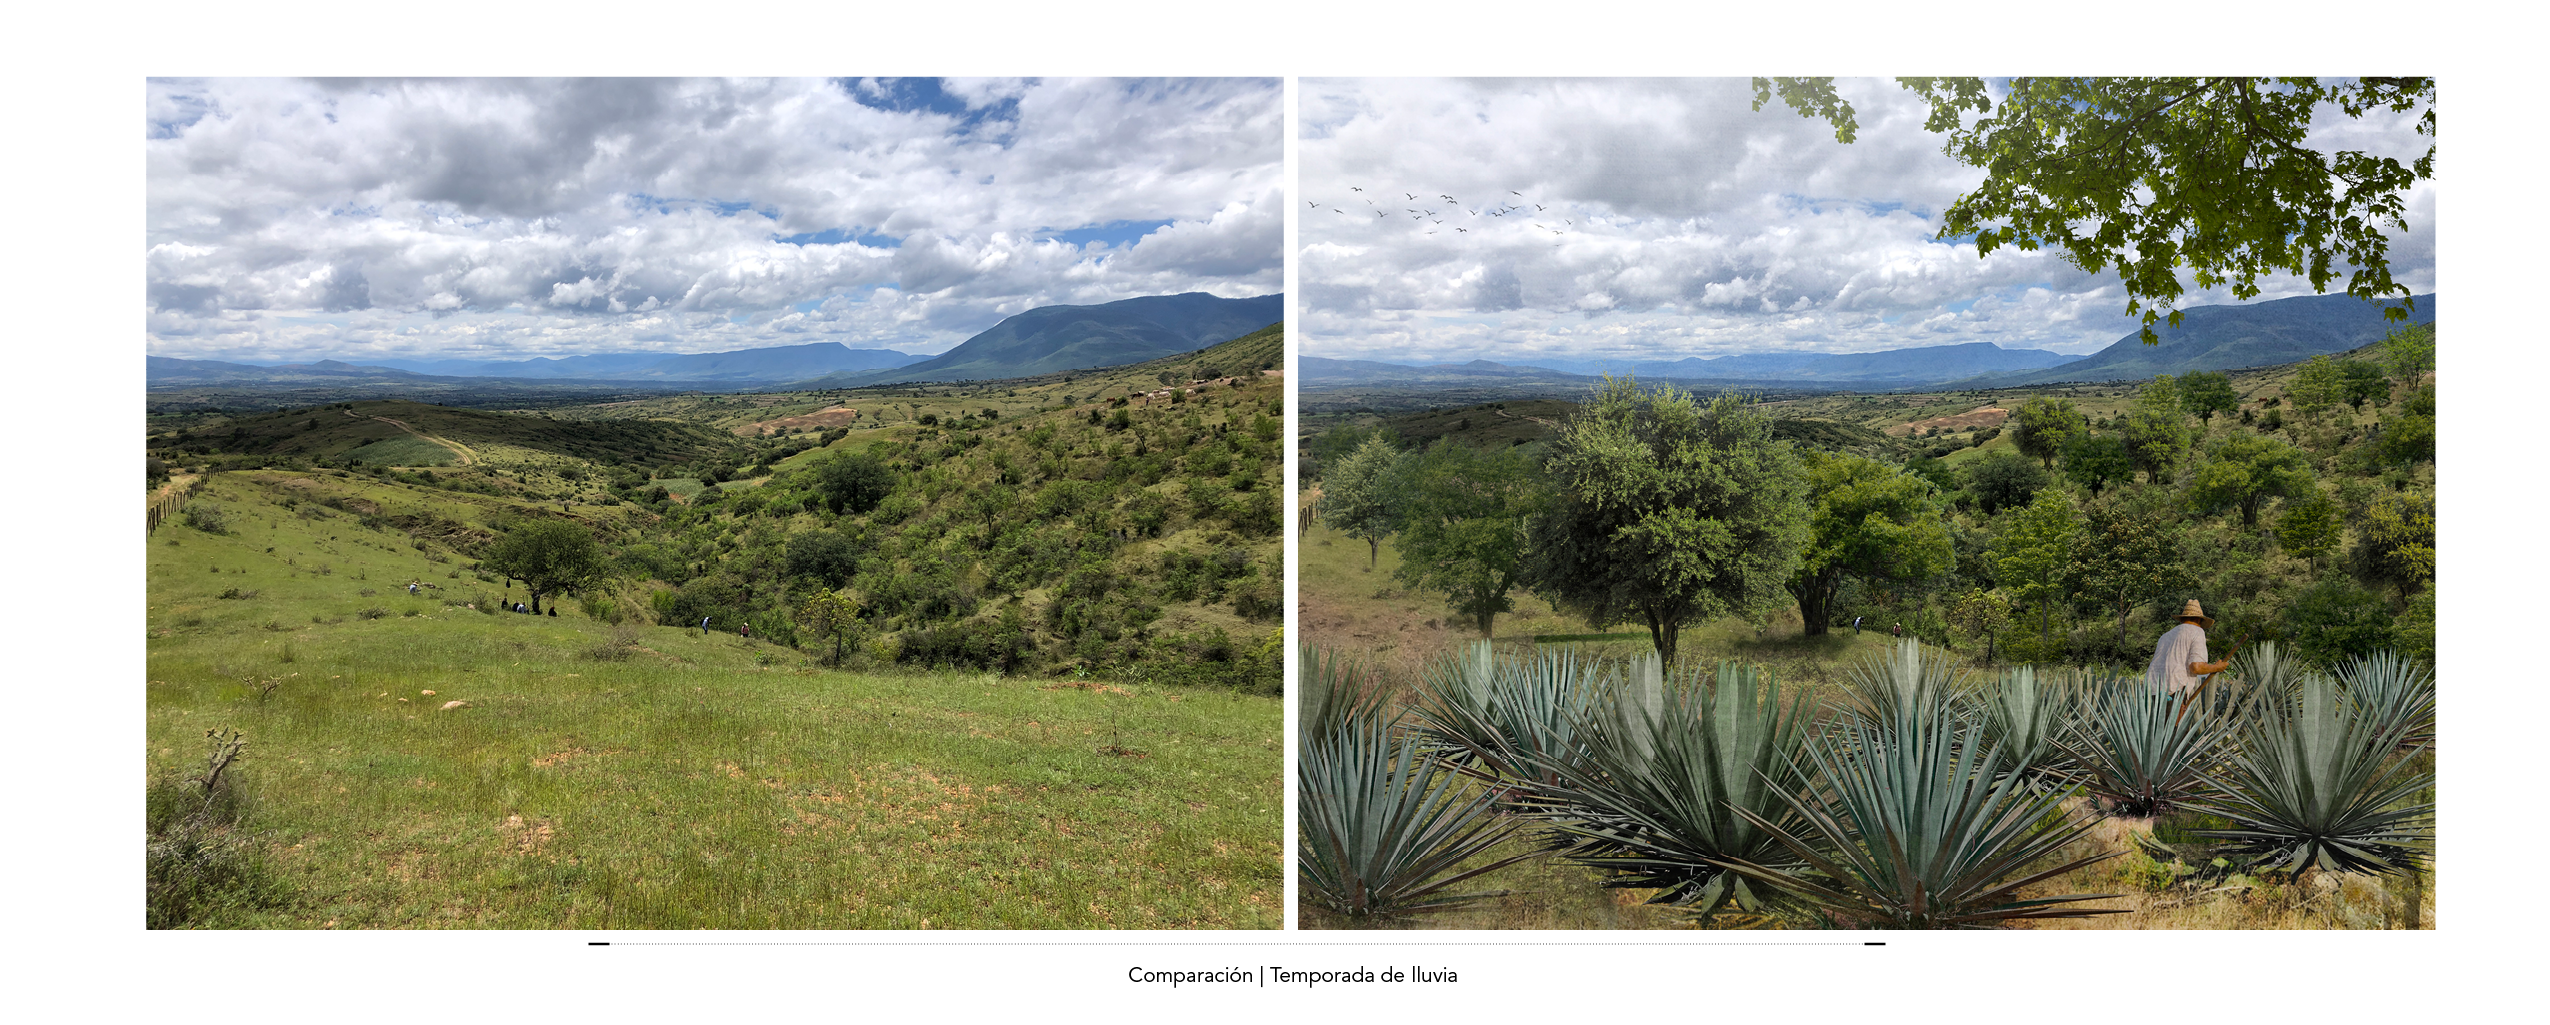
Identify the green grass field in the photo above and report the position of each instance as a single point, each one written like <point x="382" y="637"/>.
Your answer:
<point x="647" y="777"/>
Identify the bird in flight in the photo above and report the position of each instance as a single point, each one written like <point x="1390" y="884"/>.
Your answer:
<point x="1513" y="193"/>
<point x="1464" y="231"/>
<point x="1412" y="195"/>
<point x="1314" y="204"/>
<point x="1357" y="188"/>
<point x="1536" y="207"/>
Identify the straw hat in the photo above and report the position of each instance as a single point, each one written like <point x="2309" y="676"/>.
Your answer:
<point x="2196" y="612"/>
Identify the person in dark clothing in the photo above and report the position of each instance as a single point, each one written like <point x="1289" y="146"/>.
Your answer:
<point x="553" y="612"/>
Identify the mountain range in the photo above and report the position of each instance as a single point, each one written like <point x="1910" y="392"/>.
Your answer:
<point x="2207" y="338"/>
<point x="1040" y="341"/>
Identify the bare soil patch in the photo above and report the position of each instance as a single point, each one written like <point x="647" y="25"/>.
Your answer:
<point x="1988" y="416"/>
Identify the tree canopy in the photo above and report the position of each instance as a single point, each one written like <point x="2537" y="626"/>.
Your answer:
<point x="1360" y="495"/>
<point x="547" y="556"/>
<point x="1868" y="521"/>
<point x="1668" y="512"/>
<point x="854" y="483"/>
<point x="2243" y="470"/>
<point x="2041" y="425"/>
<point x="2155" y="175"/>
<point x="1462" y="531"/>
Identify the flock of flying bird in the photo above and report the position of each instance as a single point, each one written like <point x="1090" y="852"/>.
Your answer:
<point x="1421" y="217"/>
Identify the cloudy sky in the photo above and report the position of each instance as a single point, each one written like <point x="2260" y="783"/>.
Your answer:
<point x="510" y="218"/>
<point x="1662" y="218"/>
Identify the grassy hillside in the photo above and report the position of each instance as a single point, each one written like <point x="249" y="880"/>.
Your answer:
<point x="401" y="433"/>
<point x="644" y="776"/>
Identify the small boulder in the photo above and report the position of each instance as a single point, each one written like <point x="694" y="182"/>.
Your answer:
<point x="449" y="705"/>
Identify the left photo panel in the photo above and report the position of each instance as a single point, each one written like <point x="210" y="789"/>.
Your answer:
<point x="634" y="504"/>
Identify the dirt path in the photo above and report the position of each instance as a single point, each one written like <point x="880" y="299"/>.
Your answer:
<point x="466" y="454"/>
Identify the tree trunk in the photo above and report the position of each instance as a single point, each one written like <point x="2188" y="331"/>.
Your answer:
<point x="1665" y="634"/>
<point x="535" y="603"/>
<point x="1376" y="553"/>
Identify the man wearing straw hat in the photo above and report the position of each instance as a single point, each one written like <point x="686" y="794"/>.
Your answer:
<point x="2179" y="660"/>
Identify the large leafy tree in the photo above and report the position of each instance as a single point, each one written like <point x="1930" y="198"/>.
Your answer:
<point x="2156" y="434"/>
<point x="2207" y="392"/>
<point x="853" y="483"/>
<point x="2130" y="552"/>
<point x="2094" y="461"/>
<point x="1360" y="496"/>
<point x="1868" y="521"/>
<point x="2243" y="470"/>
<point x="547" y="556"/>
<point x="1462" y="529"/>
<point x="2034" y="555"/>
<point x="1668" y="512"/>
<point x="2041" y="425"/>
<point x="2003" y="480"/>
<point x="2162" y="176"/>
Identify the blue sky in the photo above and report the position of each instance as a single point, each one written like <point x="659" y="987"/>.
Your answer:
<point x="507" y="218"/>
<point x="1661" y="218"/>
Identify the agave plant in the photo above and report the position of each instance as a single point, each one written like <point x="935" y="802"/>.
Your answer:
<point x="2392" y="690"/>
<point x="1652" y="793"/>
<point x="1497" y="719"/>
<point x="1332" y="692"/>
<point x="2146" y="750"/>
<point x="2315" y="785"/>
<point x="1384" y="827"/>
<point x="1917" y="825"/>
<point x="1905" y="685"/>
<point x="2027" y="718"/>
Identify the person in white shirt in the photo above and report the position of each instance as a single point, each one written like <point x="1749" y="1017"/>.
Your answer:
<point x="2178" y="661"/>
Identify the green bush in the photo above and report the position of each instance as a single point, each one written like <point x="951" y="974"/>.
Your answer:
<point x="202" y="868"/>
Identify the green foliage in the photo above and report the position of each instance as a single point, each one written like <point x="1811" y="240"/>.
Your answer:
<point x="2336" y="619"/>
<point x="547" y="556"/>
<point x="2360" y="382"/>
<point x="826" y="556"/>
<point x="202" y="869"/>
<point x="2034" y="554"/>
<point x="832" y="616"/>
<point x="2156" y="431"/>
<point x="2131" y="552"/>
<point x="2207" y="392"/>
<point x="1361" y="496"/>
<point x="1668" y="512"/>
<point x="2396" y="542"/>
<point x="203" y="517"/>
<point x="2311" y="527"/>
<point x="2243" y="470"/>
<point x="1869" y="522"/>
<point x="1462" y="526"/>
<point x="2316" y="387"/>
<point x="2003" y="480"/>
<point x="853" y="483"/>
<point x="2162" y="177"/>
<point x="2409" y="353"/>
<point x="2041" y="426"/>
<point x="2095" y="461"/>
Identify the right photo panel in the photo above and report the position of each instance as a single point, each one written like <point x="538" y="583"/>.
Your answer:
<point x="1810" y="503"/>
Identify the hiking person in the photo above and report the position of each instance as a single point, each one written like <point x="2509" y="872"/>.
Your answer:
<point x="1899" y="629"/>
<point x="1855" y="625"/>
<point x="748" y="631"/>
<point x="703" y="626"/>
<point x="2179" y="659"/>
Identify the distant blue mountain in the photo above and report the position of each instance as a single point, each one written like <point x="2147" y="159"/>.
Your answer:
<point x="772" y="365"/>
<point x="1051" y="339"/>
<point x="2229" y="338"/>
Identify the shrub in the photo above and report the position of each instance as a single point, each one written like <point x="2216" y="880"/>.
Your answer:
<point x="206" y="519"/>
<point x="371" y="612"/>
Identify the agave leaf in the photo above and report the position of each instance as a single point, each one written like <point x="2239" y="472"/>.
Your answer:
<point x="2392" y="690"/>
<point x="2029" y="717"/>
<point x="1496" y="719"/>
<point x="1333" y="692"/>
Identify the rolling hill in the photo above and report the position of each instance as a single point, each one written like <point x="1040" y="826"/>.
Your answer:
<point x="1053" y="339"/>
<point x="2229" y="338"/>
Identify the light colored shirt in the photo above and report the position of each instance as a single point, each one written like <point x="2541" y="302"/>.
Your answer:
<point x="2183" y="644"/>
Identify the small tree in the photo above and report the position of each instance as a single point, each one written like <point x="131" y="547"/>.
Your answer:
<point x="1981" y="613"/>
<point x="2311" y="528"/>
<point x="2361" y="381"/>
<point x="1360" y="497"/>
<point x="2156" y="435"/>
<point x="2041" y="425"/>
<point x="2094" y="461"/>
<point x="830" y="614"/>
<point x="2244" y="470"/>
<point x="1462" y="528"/>
<point x="2409" y="353"/>
<point x="2034" y="556"/>
<point x="1869" y="521"/>
<point x="547" y="556"/>
<point x="2003" y="480"/>
<point x="2129" y="552"/>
